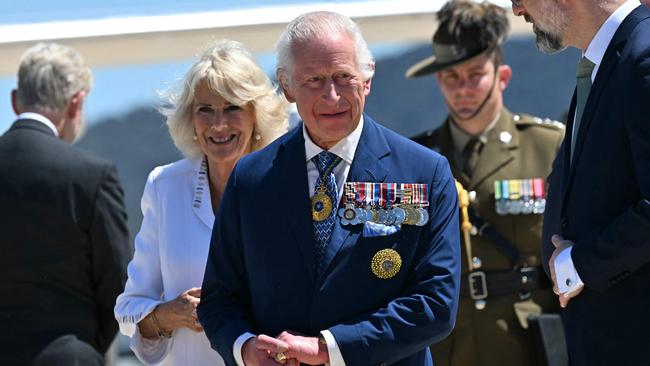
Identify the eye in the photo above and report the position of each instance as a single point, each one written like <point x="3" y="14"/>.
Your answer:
<point x="204" y="109"/>
<point x="233" y="108"/>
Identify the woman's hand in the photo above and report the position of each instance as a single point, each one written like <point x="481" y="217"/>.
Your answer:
<point x="174" y="314"/>
<point x="180" y="312"/>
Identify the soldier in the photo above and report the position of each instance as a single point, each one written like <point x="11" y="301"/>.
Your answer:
<point x="502" y="159"/>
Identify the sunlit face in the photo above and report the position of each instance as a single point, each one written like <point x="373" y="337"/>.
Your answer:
<point x="224" y="130"/>
<point x="466" y="86"/>
<point x="549" y="22"/>
<point x="327" y="87"/>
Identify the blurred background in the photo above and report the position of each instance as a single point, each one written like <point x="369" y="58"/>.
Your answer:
<point x="138" y="49"/>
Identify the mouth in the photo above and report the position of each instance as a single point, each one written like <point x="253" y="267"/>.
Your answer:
<point x="333" y="114"/>
<point x="221" y="140"/>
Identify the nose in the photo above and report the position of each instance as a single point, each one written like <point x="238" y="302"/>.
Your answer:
<point x="330" y="93"/>
<point x="219" y="119"/>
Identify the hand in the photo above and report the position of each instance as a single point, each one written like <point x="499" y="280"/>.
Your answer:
<point x="180" y="312"/>
<point x="560" y="244"/>
<point x="306" y="350"/>
<point x="260" y="350"/>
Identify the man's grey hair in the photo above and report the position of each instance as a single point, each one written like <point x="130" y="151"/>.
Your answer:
<point x="50" y="74"/>
<point x="315" y="25"/>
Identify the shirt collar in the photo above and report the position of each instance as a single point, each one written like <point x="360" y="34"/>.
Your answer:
<point x="460" y="138"/>
<point x="344" y="149"/>
<point x="40" y="118"/>
<point x="598" y="45"/>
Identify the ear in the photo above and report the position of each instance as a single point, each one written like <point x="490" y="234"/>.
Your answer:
<point x="76" y="104"/>
<point x="366" y="87"/>
<point x="281" y="75"/>
<point x="14" y="101"/>
<point x="504" y="73"/>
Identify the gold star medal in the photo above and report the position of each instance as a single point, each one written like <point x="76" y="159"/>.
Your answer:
<point x="386" y="263"/>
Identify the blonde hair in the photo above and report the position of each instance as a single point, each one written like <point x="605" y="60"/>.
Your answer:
<point x="230" y="71"/>
<point x="49" y="75"/>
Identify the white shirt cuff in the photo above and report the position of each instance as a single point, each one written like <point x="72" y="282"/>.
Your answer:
<point x="336" y="358"/>
<point x="565" y="272"/>
<point x="238" y="345"/>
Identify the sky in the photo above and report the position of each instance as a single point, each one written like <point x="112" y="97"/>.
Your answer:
<point x="109" y="96"/>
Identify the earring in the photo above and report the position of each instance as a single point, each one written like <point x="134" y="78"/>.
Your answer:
<point x="257" y="137"/>
<point x="195" y="137"/>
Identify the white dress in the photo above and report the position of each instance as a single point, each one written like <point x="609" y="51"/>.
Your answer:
<point x="171" y="250"/>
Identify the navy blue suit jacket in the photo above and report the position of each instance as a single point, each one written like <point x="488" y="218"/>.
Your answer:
<point x="260" y="279"/>
<point x="601" y="203"/>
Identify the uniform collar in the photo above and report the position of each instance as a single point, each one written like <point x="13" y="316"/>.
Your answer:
<point x="460" y="138"/>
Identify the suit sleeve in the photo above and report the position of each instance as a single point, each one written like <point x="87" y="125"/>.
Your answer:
<point x="621" y="247"/>
<point x="225" y="298"/>
<point x="110" y="250"/>
<point x="425" y="312"/>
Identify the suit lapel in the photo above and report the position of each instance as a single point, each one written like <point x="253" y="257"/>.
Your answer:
<point x="366" y="167"/>
<point x="294" y="193"/>
<point x="609" y="62"/>
<point x="498" y="152"/>
<point x="202" y="201"/>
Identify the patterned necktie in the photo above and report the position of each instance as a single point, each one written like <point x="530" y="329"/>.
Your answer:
<point x="326" y="183"/>
<point x="583" y="86"/>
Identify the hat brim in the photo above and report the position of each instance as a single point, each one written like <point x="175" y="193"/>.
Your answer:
<point x="430" y="65"/>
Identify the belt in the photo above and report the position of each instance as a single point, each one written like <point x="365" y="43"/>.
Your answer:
<point x="478" y="285"/>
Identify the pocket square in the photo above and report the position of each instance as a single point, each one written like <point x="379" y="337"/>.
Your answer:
<point x="372" y="229"/>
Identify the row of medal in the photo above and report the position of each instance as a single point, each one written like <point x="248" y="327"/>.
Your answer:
<point x="391" y="204"/>
<point x="519" y="196"/>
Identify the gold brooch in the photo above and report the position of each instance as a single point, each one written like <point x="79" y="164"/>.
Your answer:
<point x="386" y="263"/>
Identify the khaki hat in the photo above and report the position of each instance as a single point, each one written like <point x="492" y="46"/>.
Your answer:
<point x="466" y="29"/>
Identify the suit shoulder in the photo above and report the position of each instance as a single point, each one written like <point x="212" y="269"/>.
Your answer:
<point x="403" y="145"/>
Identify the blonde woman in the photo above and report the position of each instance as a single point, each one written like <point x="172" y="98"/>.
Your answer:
<point x="226" y="108"/>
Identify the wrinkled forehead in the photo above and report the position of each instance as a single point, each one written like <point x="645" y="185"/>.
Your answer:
<point x="325" y="53"/>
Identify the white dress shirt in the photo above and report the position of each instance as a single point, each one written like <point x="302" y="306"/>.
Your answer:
<point x="40" y="118"/>
<point x="566" y="274"/>
<point x="344" y="149"/>
<point x="171" y="250"/>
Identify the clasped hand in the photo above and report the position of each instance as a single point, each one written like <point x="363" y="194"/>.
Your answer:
<point x="286" y="349"/>
<point x="561" y="244"/>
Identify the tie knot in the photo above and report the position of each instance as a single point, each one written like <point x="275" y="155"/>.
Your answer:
<point x="585" y="68"/>
<point x="326" y="161"/>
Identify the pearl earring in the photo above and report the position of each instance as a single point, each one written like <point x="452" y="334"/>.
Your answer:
<point x="258" y="136"/>
<point x="195" y="137"/>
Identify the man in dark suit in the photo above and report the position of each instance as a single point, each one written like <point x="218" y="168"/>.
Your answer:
<point x="64" y="235"/>
<point x="369" y="274"/>
<point x="596" y="236"/>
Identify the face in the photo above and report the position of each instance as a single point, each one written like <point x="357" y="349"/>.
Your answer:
<point x="466" y="87"/>
<point x="550" y="23"/>
<point x="327" y="87"/>
<point x="224" y="130"/>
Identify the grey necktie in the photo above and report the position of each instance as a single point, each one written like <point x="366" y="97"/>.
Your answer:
<point x="583" y="76"/>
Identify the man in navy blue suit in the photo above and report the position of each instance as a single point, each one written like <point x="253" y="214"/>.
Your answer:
<point x="338" y="243"/>
<point x="596" y="237"/>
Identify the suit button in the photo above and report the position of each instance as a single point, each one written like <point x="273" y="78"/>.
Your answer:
<point x="564" y="222"/>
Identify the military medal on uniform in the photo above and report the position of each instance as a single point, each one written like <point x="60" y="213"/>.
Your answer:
<point x="519" y="196"/>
